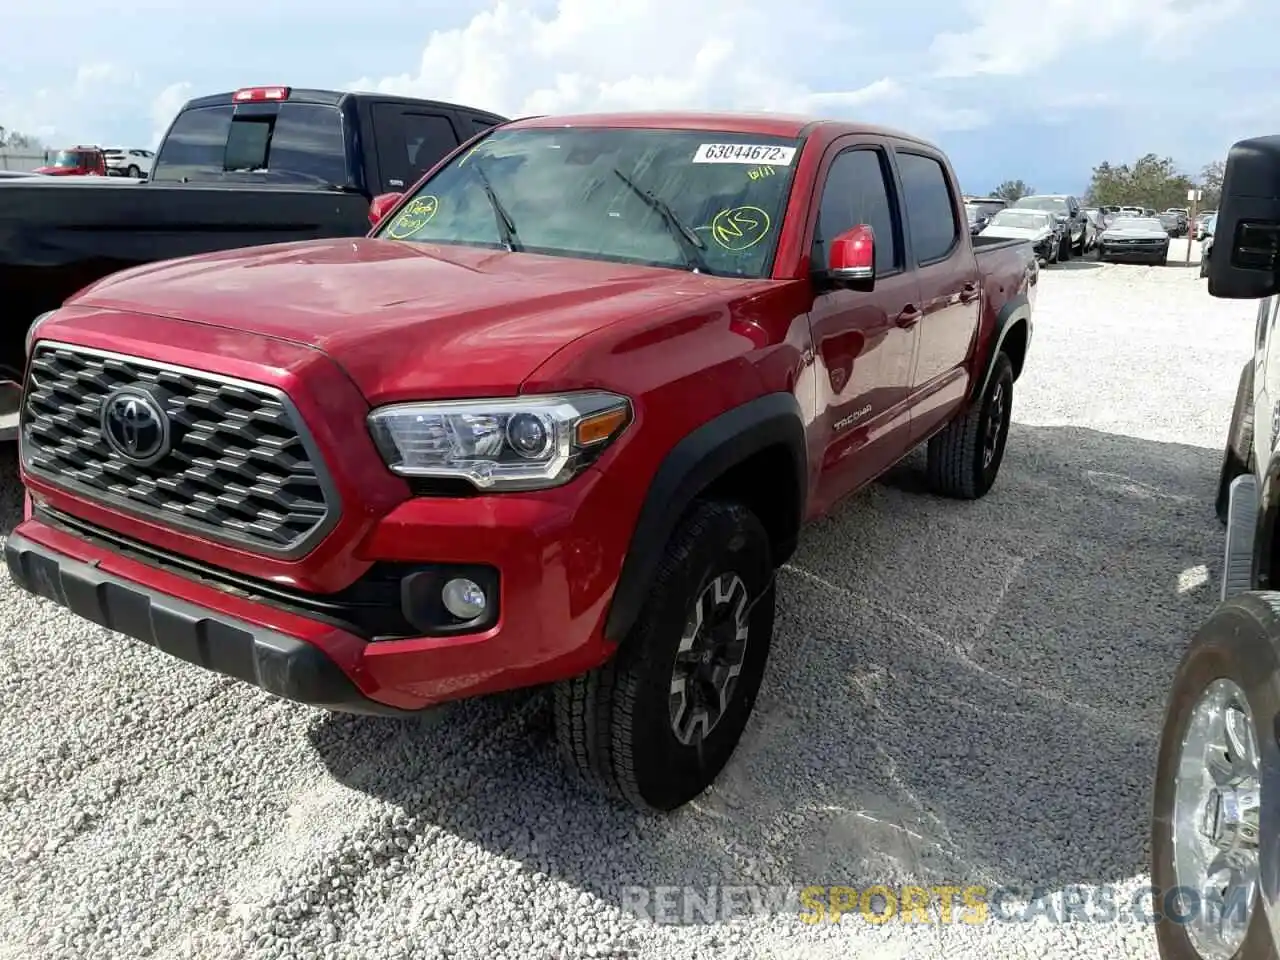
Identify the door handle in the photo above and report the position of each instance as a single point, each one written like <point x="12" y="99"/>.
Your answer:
<point x="908" y="317"/>
<point x="970" y="292"/>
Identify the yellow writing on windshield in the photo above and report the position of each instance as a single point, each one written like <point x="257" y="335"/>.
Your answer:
<point x="740" y="227"/>
<point x="760" y="172"/>
<point x="416" y="215"/>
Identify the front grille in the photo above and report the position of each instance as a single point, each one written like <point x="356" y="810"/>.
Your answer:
<point x="239" y="469"/>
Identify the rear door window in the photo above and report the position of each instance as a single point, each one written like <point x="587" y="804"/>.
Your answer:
<point x="410" y="143"/>
<point x="931" y="212"/>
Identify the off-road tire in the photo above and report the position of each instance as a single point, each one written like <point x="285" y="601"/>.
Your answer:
<point x="613" y="723"/>
<point x="1237" y="458"/>
<point x="955" y="455"/>
<point x="1240" y="642"/>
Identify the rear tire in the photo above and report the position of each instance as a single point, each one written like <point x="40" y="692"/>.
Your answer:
<point x="964" y="459"/>
<point x="617" y="725"/>
<point x="1064" y="248"/>
<point x="133" y="172"/>
<point x="1237" y="458"/>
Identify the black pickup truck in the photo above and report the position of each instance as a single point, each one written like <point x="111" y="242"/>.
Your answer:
<point x="259" y="165"/>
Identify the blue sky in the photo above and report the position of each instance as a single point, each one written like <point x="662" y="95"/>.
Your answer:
<point x="1034" y="89"/>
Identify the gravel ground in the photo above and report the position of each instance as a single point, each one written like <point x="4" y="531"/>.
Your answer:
<point x="960" y="694"/>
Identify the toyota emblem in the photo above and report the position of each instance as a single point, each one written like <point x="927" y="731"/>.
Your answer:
<point x="135" y="425"/>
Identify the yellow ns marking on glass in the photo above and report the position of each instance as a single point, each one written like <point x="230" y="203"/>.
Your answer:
<point x="413" y="217"/>
<point x="739" y="228"/>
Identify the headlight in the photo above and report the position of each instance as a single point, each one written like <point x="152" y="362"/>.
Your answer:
<point x="513" y="443"/>
<point x="32" y="331"/>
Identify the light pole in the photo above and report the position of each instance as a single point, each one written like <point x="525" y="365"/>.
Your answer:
<point x="1193" y="197"/>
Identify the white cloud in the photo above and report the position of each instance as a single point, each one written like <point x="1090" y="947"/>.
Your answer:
<point x="585" y="55"/>
<point x="1011" y="38"/>
<point x="165" y="107"/>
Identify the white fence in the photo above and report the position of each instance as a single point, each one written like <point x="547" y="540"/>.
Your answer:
<point x="12" y="158"/>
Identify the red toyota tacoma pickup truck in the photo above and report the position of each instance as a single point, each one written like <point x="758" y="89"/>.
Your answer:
<point x="558" y="419"/>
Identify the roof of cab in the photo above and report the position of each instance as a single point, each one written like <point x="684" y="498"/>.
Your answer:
<point x="334" y="98"/>
<point x="764" y="124"/>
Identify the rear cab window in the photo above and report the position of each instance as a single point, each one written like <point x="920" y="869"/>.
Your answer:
<point x="298" y="143"/>
<point x="604" y="193"/>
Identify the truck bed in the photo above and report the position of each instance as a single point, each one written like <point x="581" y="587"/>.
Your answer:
<point x="57" y="236"/>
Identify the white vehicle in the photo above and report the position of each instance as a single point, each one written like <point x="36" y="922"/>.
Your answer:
<point x="1134" y="238"/>
<point x="1037" y="226"/>
<point x="132" y="162"/>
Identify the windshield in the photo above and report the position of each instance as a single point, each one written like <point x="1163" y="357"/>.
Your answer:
<point x="1211" y="223"/>
<point x="1052" y="204"/>
<point x="668" y="198"/>
<point x="1020" y="220"/>
<point x="66" y="158"/>
<point x="1137" y="223"/>
<point x="987" y="208"/>
<point x="972" y="212"/>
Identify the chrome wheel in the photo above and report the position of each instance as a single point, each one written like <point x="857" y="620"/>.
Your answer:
<point x="995" y="425"/>
<point x="1215" y="821"/>
<point x="709" y="659"/>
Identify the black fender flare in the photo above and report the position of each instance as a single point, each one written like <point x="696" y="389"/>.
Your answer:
<point x="691" y="466"/>
<point x="1264" y="532"/>
<point x="1017" y="310"/>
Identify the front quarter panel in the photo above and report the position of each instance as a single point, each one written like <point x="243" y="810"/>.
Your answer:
<point x="683" y="369"/>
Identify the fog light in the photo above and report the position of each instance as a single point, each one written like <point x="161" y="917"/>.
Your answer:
<point x="464" y="598"/>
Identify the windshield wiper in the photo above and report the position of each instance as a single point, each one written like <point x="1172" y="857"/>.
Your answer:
<point x="691" y="245"/>
<point x="506" y="226"/>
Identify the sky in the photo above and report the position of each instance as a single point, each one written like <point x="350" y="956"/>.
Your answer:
<point x="1038" y="90"/>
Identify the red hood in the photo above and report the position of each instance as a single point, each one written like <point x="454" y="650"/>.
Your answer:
<point x="405" y="320"/>
<point x="61" y="171"/>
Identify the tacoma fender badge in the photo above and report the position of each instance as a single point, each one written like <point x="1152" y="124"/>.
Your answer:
<point x="852" y="418"/>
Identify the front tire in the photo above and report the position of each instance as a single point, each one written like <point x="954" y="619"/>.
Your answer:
<point x="964" y="459"/>
<point x="133" y="172"/>
<point x="655" y="726"/>
<point x="1215" y="766"/>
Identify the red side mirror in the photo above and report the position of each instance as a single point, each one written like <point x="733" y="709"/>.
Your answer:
<point x="382" y="205"/>
<point x="852" y="255"/>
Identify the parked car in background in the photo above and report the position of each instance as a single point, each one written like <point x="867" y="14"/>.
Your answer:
<point x="1206" y="243"/>
<point x="977" y="219"/>
<point x="132" y="162"/>
<point x="261" y="460"/>
<point x="1068" y="211"/>
<point x="988" y="206"/>
<point x="260" y="165"/>
<point x="1172" y="223"/>
<point x="1134" y="238"/>
<point x="1201" y="220"/>
<point x="1037" y="227"/>
<point x="76" y="162"/>
<point x="1131" y="211"/>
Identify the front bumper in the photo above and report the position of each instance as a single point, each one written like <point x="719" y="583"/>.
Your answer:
<point x="1155" y="252"/>
<point x="558" y="556"/>
<point x="284" y="665"/>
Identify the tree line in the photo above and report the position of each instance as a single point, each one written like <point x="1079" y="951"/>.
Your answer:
<point x="1150" y="181"/>
<point x="18" y="141"/>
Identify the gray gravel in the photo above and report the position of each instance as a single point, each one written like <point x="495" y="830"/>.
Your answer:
<point x="960" y="693"/>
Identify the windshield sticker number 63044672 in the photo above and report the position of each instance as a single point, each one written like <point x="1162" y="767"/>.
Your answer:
<point x="751" y="153"/>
